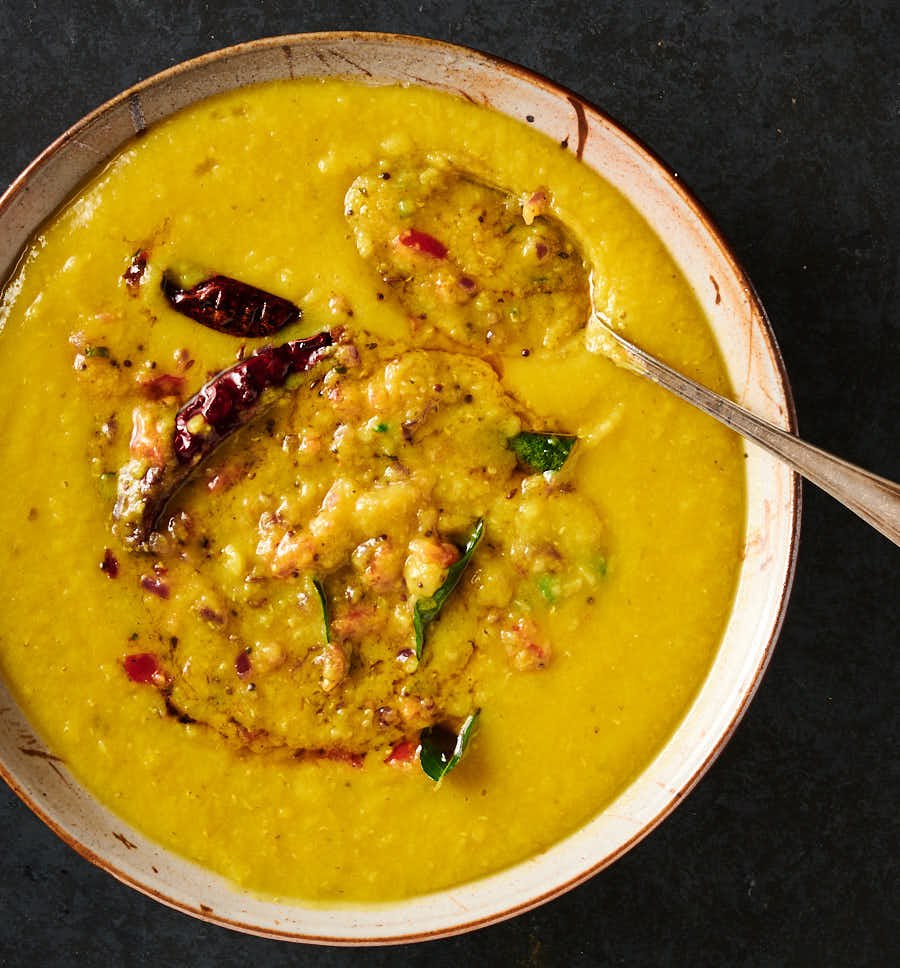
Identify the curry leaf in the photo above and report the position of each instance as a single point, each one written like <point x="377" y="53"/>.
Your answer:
<point x="542" y="452"/>
<point x="326" y="616"/>
<point x="442" y="749"/>
<point x="426" y="610"/>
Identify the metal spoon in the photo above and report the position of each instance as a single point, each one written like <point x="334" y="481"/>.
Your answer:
<point x="875" y="499"/>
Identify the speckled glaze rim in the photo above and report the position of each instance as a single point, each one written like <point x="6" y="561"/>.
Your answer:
<point x="15" y="236"/>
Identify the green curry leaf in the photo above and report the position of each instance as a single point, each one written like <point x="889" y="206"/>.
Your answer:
<point x="326" y="614"/>
<point x="426" y="610"/>
<point x="442" y="749"/>
<point x="542" y="452"/>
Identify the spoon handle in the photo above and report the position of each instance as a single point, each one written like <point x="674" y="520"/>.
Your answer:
<point x="875" y="499"/>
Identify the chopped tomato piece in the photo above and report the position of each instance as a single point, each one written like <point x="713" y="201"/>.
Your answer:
<point x="526" y="647"/>
<point x="148" y="435"/>
<point x="404" y="753"/>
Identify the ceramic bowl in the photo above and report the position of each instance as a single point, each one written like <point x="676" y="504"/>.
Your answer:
<point x="773" y="502"/>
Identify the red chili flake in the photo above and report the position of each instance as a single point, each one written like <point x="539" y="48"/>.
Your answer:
<point x="230" y="306"/>
<point x="403" y="753"/>
<point x="242" y="664"/>
<point x="110" y="564"/>
<point x="164" y="385"/>
<point x="356" y="760"/>
<point x="144" y="668"/>
<point x="540" y="250"/>
<point x="423" y="242"/>
<point x="467" y="283"/>
<point x="154" y="585"/>
<point x="133" y="276"/>
<point x="215" y="618"/>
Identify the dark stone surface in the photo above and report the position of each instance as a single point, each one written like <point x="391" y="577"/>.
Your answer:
<point x="783" y="117"/>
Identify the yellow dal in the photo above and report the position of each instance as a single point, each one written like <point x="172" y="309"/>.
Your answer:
<point x="252" y="184"/>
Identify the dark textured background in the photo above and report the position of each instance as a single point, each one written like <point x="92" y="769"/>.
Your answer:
<point x="783" y="118"/>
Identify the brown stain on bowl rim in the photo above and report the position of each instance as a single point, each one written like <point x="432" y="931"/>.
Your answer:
<point x="136" y="110"/>
<point x="124" y="840"/>
<point x="41" y="754"/>
<point x="54" y="762"/>
<point x="758" y="319"/>
<point x="581" y="120"/>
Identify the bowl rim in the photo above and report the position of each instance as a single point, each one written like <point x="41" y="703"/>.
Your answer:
<point x="675" y="184"/>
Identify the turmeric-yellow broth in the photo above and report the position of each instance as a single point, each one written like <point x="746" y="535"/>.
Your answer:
<point x="221" y="641"/>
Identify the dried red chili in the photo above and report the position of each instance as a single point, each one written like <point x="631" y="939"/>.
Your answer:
<point x="229" y="399"/>
<point x="230" y="306"/>
<point x="225" y="403"/>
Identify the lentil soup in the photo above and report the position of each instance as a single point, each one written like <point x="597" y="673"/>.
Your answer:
<point x="332" y="551"/>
